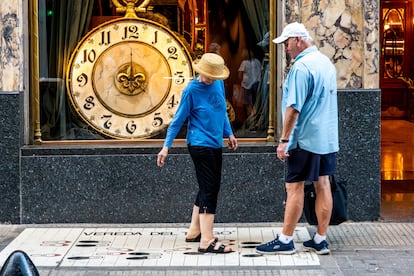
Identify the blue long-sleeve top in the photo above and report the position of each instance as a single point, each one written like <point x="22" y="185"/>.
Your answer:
<point x="205" y="108"/>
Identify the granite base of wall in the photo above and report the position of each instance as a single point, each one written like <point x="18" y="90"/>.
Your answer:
<point x="109" y="184"/>
<point x="9" y="157"/>
<point x="130" y="188"/>
<point x="359" y="157"/>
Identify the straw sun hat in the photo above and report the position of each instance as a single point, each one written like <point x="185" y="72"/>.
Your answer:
<point x="212" y="66"/>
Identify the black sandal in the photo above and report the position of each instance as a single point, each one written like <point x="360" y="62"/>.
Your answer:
<point x="211" y="249"/>
<point x="197" y="239"/>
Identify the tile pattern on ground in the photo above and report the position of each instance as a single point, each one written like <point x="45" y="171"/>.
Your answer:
<point x="151" y="247"/>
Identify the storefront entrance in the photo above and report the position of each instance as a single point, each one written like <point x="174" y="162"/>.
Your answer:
<point x="397" y="111"/>
<point x="397" y="170"/>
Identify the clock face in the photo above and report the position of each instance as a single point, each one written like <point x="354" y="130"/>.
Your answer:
<point x="125" y="78"/>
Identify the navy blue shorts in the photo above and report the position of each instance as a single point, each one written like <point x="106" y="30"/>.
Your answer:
<point x="303" y="165"/>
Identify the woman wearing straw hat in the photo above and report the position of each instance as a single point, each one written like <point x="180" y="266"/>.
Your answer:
<point x="203" y="103"/>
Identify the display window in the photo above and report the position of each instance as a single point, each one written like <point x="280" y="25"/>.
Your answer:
<point x="106" y="71"/>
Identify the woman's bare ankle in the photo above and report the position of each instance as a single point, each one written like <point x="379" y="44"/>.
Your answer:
<point x="193" y="233"/>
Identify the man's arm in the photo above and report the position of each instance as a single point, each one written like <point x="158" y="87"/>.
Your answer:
<point x="291" y="115"/>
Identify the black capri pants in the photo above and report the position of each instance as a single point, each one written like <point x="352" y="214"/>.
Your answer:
<point x="208" y="163"/>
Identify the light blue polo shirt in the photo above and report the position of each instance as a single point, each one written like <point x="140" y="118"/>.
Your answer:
<point x="310" y="88"/>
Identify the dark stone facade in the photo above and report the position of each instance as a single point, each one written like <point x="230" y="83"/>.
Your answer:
<point x="10" y="128"/>
<point x="114" y="184"/>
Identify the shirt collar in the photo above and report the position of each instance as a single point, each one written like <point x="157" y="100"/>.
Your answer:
<point x="306" y="51"/>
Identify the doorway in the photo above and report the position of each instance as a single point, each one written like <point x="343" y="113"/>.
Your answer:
<point x="397" y="110"/>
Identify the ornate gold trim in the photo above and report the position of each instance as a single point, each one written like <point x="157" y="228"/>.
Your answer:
<point x="129" y="7"/>
<point x="34" y="71"/>
<point x="272" y="73"/>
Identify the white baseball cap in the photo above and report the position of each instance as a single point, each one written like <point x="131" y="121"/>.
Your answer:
<point x="294" y="29"/>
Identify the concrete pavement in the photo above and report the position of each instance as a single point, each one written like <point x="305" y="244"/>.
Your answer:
<point x="357" y="248"/>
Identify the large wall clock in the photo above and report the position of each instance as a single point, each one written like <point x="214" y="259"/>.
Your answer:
<point x="126" y="76"/>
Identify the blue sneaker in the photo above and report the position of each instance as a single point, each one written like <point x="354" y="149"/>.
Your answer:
<point x="276" y="247"/>
<point x="320" y="248"/>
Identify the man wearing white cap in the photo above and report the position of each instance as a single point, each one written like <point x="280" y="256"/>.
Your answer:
<point x="309" y="138"/>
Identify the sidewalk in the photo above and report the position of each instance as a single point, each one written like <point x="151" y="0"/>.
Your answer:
<point x="366" y="248"/>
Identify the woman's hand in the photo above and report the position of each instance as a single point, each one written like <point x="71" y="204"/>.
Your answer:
<point x="232" y="142"/>
<point x="161" y="156"/>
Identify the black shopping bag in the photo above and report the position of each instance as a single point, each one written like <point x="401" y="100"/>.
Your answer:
<point x="340" y="202"/>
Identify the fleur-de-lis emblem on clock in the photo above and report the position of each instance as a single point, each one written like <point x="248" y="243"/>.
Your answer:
<point x="131" y="78"/>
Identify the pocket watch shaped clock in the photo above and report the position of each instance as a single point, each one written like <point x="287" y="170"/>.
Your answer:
<point x="126" y="76"/>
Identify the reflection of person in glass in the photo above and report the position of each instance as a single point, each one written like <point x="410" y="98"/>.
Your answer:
<point x="249" y="76"/>
<point x="203" y="104"/>
<point x="309" y="138"/>
<point x="214" y="47"/>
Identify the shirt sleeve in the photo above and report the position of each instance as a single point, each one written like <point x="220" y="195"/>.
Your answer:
<point x="242" y="67"/>
<point x="227" y="130"/>
<point x="183" y="112"/>
<point x="298" y="87"/>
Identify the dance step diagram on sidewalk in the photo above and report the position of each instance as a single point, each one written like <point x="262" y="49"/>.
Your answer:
<point x="147" y="247"/>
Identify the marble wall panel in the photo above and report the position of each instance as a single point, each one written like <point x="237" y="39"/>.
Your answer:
<point x="11" y="45"/>
<point x="372" y="44"/>
<point x="347" y="32"/>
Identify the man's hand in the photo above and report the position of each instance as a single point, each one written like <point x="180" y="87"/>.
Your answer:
<point x="281" y="151"/>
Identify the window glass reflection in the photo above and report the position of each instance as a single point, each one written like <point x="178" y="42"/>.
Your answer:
<point x="237" y="26"/>
<point x="393" y="42"/>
